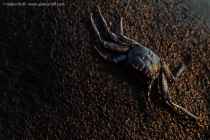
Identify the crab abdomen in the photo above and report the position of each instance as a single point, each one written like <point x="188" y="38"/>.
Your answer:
<point x="145" y="60"/>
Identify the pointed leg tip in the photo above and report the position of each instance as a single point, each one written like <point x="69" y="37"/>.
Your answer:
<point x="182" y="62"/>
<point x="198" y="119"/>
<point x="98" y="6"/>
<point x="135" y="43"/>
<point x="95" y="47"/>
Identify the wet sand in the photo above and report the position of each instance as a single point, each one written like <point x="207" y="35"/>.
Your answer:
<point x="54" y="85"/>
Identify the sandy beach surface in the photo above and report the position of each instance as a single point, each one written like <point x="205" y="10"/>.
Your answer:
<point x="54" y="84"/>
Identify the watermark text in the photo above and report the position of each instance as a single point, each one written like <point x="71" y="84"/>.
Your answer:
<point x="41" y="4"/>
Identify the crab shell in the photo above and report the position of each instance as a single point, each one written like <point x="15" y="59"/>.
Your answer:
<point x="143" y="59"/>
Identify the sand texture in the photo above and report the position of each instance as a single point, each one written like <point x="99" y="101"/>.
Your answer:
<point x="54" y="84"/>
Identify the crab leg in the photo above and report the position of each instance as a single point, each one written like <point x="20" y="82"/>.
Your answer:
<point x="173" y="105"/>
<point x="112" y="35"/>
<point x="114" y="59"/>
<point x="109" y="45"/>
<point x="169" y="101"/>
<point x="165" y="87"/>
<point x="124" y="38"/>
<point x="149" y="91"/>
<point x="169" y="73"/>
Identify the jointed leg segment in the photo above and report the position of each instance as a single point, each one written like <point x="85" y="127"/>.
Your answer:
<point x="113" y="59"/>
<point x="168" y="95"/>
<point x="109" y="45"/>
<point x="124" y="38"/>
<point x="121" y="39"/>
<point x="112" y="35"/>
<point x="149" y="91"/>
<point x="175" y="106"/>
<point x="168" y="72"/>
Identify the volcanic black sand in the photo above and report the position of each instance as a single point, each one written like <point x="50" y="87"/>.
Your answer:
<point x="54" y="85"/>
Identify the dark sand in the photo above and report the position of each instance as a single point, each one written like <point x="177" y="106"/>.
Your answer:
<point x="54" y="85"/>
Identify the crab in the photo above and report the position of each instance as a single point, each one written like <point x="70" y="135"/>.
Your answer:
<point x="140" y="58"/>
